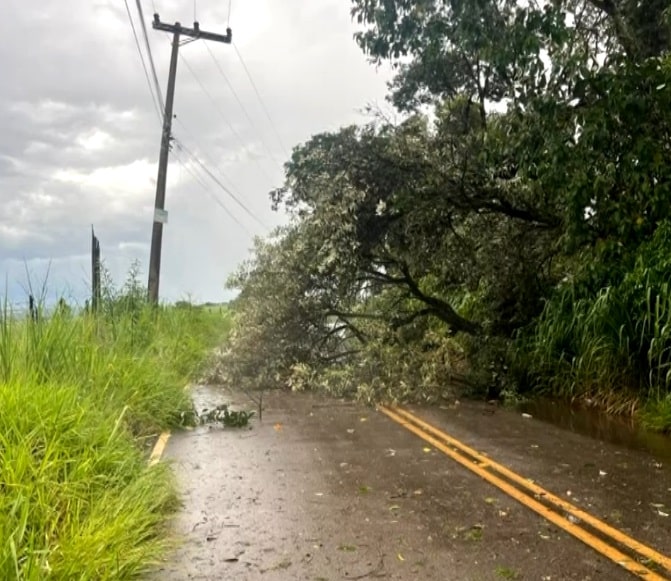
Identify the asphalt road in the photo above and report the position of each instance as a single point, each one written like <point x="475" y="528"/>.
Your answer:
<point x="322" y="489"/>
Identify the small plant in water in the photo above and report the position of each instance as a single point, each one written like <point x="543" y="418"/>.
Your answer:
<point x="231" y="419"/>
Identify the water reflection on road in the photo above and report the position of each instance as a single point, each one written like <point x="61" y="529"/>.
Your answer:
<point x="599" y="425"/>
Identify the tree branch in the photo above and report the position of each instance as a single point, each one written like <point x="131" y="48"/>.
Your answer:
<point x="501" y="206"/>
<point x="344" y="317"/>
<point x="441" y="309"/>
<point x="336" y="356"/>
<point x="397" y="323"/>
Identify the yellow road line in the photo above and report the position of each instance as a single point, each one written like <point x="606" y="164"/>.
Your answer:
<point x="598" y="524"/>
<point x="159" y="448"/>
<point x="162" y="442"/>
<point x="421" y="428"/>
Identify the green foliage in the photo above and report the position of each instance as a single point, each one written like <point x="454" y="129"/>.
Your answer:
<point x="385" y="243"/>
<point x="515" y="218"/>
<point x="656" y="415"/>
<point x="603" y="156"/>
<point x="77" y="499"/>
<point x="388" y="371"/>
<point x="227" y="417"/>
<point x="615" y="342"/>
<point x="498" y="49"/>
<point x="80" y="395"/>
<point x="416" y="361"/>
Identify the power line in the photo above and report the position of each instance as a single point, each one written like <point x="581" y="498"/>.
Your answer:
<point x="221" y="185"/>
<point x="138" y="3"/>
<point x="193" y="174"/>
<point x="216" y="198"/>
<point x="232" y="188"/>
<point x="209" y="95"/>
<point x="254" y="86"/>
<point x="216" y="180"/>
<point x="242" y="106"/>
<point x="144" y="65"/>
<point x="223" y="115"/>
<point x="258" y="96"/>
<point x="232" y="185"/>
<point x="212" y="195"/>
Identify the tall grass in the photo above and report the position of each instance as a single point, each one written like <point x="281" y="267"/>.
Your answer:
<point x="612" y="346"/>
<point x="78" y="396"/>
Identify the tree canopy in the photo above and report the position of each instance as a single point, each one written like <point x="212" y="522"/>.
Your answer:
<point x="532" y="157"/>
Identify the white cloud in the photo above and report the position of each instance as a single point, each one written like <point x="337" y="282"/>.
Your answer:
<point x="44" y="111"/>
<point x="95" y="140"/>
<point x="125" y="180"/>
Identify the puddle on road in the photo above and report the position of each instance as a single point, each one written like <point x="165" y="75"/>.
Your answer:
<point x="598" y="425"/>
<point x="207" y="397"/>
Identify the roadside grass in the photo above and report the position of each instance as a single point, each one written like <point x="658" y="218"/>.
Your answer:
<point x="79" y="394"/>
<point x="656" y="414"/>
<point x="610" y="347"/>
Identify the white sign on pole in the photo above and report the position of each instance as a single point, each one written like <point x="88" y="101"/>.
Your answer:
<point x="161" y="216"/>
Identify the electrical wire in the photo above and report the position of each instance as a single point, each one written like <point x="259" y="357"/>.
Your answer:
<point x="242" y="106"/>
<point x="223" y="115"/>
<point x="255" y="86"/>
<point x="138" y="3"/>
<point x="144" y="65"/>
<point x="261" y="102"/>
<point x="221" y="185"/>
<point x="192" y="172"/>
<point x="207" y="189"/>
<point x="232" y="186"/>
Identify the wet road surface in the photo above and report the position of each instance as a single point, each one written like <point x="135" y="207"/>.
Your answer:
<point x="323" y="489"/>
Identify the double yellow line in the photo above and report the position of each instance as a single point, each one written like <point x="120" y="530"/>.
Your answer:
<point x="597" y="534"/>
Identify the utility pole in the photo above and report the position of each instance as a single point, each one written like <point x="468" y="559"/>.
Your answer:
<point x="160" y="215"/>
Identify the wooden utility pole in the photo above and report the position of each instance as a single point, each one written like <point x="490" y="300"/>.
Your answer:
<point x="160" y="215"/>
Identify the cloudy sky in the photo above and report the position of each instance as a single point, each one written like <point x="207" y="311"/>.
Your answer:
<point x="79" y="134"/>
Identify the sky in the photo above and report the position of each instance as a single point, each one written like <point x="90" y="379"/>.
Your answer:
<point x="80" y="135"/>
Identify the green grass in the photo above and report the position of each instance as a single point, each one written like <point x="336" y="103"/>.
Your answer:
<point x="656" y="414"/>
<point x="611" y="346"/>
<point x="79" y="395"/>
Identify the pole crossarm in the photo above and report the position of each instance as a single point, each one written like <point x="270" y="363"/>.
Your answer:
<point x="194" y="32"/>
